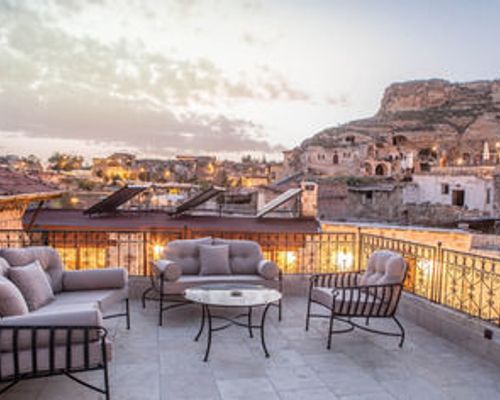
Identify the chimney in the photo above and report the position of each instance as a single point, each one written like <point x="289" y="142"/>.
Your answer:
<point x="309" y="199"/>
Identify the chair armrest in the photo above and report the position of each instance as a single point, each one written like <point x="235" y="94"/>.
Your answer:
<point x="336" y="280"/>
<point x="108" y="278"/>
<point x="268" y="269"/>
<point x="167" y="270"/>
<point x="85" y="323"/>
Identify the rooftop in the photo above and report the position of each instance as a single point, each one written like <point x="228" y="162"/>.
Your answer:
<point x="151" y="362"/>
<point x="14" y="184"/>
<point x="76" y="220"/>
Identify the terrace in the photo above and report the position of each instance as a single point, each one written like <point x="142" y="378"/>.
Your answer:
<point x="451" y="300"/>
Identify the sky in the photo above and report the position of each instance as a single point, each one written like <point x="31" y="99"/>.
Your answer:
<point x="225" y="78"/>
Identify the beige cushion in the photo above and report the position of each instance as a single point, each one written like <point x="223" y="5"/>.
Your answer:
<point x="268" y="269"/>
<point x="95" y="358"/>
<point x="244" y="255"/>
<point x="33" y="284"/>
<point x="214" y="260"/>
<point x="185" y="253"/>
<point x="109" y="278"/>
<point x="384" y="267"/>
<point x="47" y="256"/>
<point x="11" y="300"/>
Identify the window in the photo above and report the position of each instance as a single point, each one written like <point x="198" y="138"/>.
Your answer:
<point x="458" y="198"/>
<point x="335" y="158"/>
<point x="488" y="196"/>
<point x="445" y="188"/>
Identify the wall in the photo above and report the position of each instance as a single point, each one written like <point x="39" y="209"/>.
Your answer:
<point x="11" y="216"/>
<point x="450" y="238"/>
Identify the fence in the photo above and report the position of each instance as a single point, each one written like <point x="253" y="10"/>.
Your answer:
<point x="466" y="282"/>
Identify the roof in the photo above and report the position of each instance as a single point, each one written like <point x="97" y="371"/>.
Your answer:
<point x="115" y="200"/>
<point x="15" y="185"/>
<point x="374" y="188"/>
<point x="74" y="220"/>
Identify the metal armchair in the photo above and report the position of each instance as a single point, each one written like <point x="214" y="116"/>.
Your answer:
<point x="372" y="294"/>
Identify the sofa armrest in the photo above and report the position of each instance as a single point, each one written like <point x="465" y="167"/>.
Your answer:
<point x="268" y="269"/>
<point x="167" y="269"/>
<point x="108" y="278"/>
<point x="85" y="322"/>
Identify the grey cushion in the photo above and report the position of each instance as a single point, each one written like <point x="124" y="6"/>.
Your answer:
<point x="76" y="316"/>
<point x="244" y="255"/>
<point x="187" y="281"/>
<point x="33" y="284"/>
<point x="109" y="278"/>
<point x="104" y="299"/>
<point x="268" y="269"/>
<point x="11" y="300"/>
<point x="384" y="267"/>
<point x="171" y="270"/>
<point x="185" y="253"/>
<point x="355" y="303"/>
<point x="47" y="256"/>
<point x="214" y="260"/>
<point x="4" y="267"/>
<point x="95" y="358"/>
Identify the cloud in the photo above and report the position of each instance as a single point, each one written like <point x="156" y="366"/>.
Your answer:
<point x="53" y="84"/>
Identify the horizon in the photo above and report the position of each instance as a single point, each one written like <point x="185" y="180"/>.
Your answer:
<point x="219" y="77"/>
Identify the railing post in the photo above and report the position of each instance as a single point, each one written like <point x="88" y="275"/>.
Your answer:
<point x="359" y="248"/>
<point x="438" y="273"/>
<point x="145" y="256"/>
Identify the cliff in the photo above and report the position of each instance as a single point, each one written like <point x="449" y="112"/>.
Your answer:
<point x="457" y="116"/>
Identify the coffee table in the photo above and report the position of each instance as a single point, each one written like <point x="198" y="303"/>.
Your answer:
<point x="232" y="296"/>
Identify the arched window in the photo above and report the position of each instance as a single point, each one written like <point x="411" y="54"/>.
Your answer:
<point x="380" y="170"/>
<point x="335" y="158"/>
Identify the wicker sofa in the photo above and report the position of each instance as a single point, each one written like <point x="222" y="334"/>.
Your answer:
<point x="64" y="333"/>
<point x="184" y="265"/>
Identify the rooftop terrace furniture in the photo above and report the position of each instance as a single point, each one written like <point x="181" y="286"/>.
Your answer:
<point x="64" y="334"/>
<point x="372" y="294"/>
<point x="183" y="266"/>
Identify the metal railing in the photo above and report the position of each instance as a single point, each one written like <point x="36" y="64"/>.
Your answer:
<point x="466" y="282"/>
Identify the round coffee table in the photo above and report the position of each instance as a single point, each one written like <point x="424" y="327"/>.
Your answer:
<point x="232" y="296"/>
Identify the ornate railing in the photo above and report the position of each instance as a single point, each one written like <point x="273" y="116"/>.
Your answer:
<point x="466" y="282"/>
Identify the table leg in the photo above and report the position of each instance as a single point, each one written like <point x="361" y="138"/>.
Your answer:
<point x="262" y="323"/>
<point x="250" y="321"/>
<point x="209" y="339"/>
<point x="202" y="324"/>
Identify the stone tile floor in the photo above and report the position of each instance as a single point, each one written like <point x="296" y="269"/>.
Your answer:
<point x="151" y="362"/>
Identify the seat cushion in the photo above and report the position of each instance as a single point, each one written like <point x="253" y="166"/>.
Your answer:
<point x="60" y="360"/>
<point x="185" y="253"/>
<point x="33" y="283"/>
<point x="187" y="281"/>
<point x="104" y="298"/>
<point x="244" y="255"/>
<point x="47" y="256"/>
<point x="362" y="305"/>
<point x="214" y="260"/>
<point x="11" y="299"/>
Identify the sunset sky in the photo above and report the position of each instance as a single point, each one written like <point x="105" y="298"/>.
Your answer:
<point x="159" y="78"/>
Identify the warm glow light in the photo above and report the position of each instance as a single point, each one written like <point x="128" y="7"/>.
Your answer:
<point x="345" y="260"/>
<point x="157" y="250"/>
<point x="425" y="266"/>
<point x="74" y="200"/>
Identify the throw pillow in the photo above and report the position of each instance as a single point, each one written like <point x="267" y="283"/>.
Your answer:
<point x="214" y="260"/>
<point x="33" y="283"/>
<point x="12" y="302"/>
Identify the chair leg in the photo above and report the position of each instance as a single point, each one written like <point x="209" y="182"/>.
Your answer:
<point x="330" y="332"/>
<point x="127" y="306"/>
<point x="160" y="316"/>
<point x="402" y="330"/>
<point x="367" y="321"/>
<point x="144" y="294"/>
<point x="106" y="381"/>
<point x="280" y="307"/>
<point x="308" y="314"/>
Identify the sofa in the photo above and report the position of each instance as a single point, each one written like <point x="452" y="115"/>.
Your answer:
<point x="51" y="319"/>
<point x="192" y="262"/>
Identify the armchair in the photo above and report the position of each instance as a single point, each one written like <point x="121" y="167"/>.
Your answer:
<point x="372" y="294"/>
